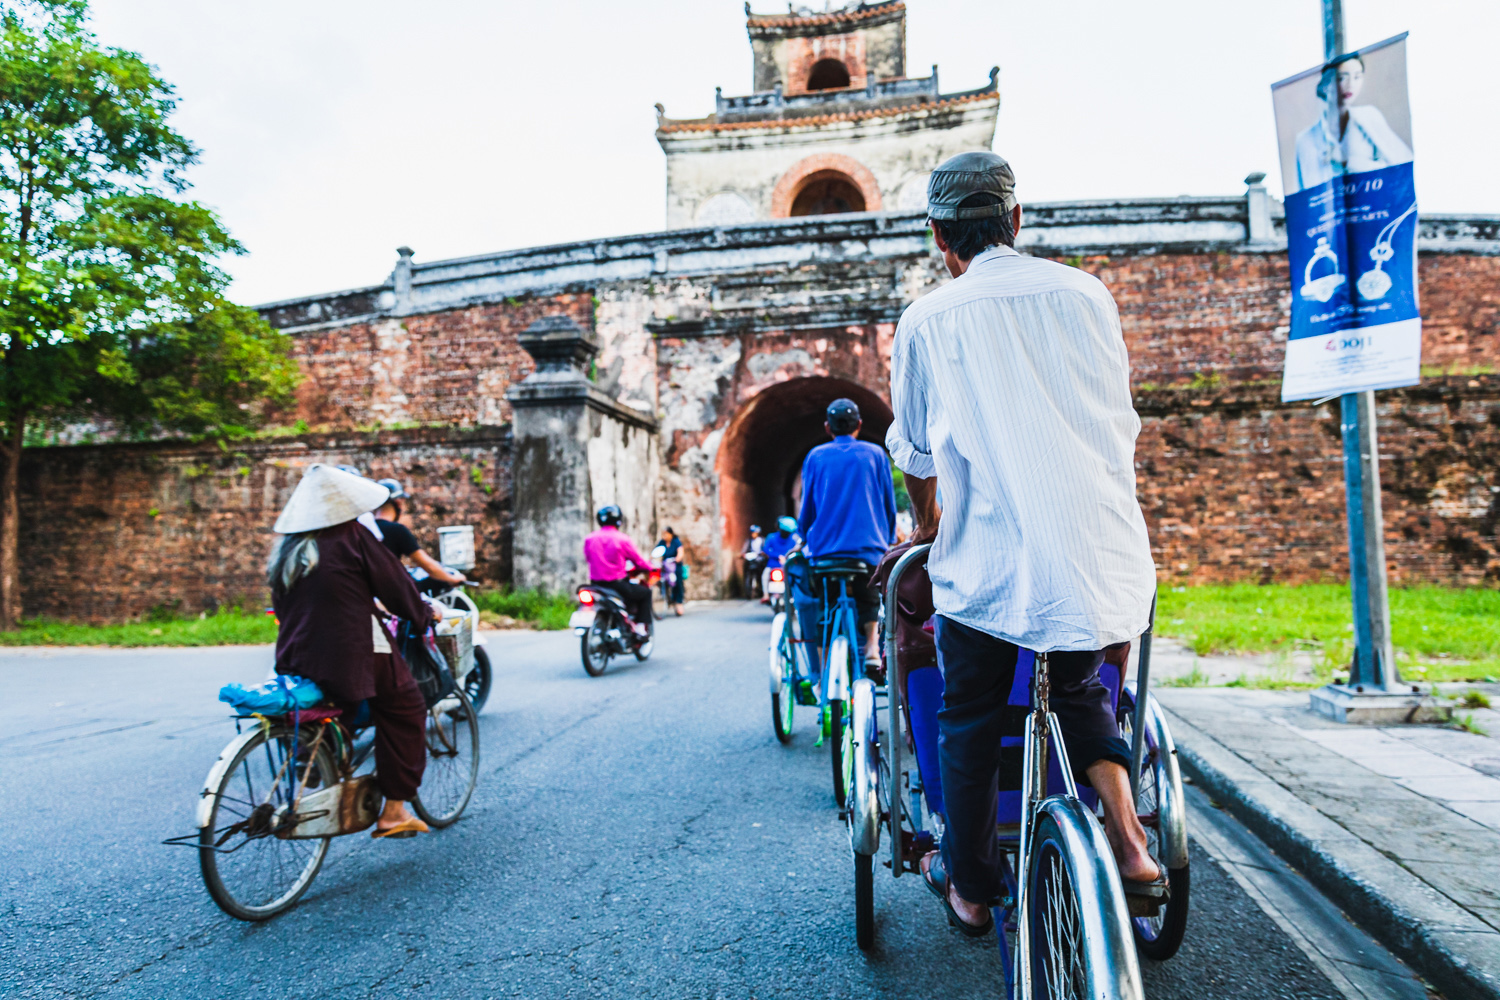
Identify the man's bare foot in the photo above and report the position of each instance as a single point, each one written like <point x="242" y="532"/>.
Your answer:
<point x="1127" y="838"/>
<point x="973" y="914"/>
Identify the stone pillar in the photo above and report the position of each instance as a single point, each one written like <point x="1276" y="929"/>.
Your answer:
<point x="576" y="449"/>
<point x="401" y="281"/>
<point x="1259" y="228"/>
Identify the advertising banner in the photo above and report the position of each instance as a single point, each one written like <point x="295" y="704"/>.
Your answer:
<point x="1351" y="222"/>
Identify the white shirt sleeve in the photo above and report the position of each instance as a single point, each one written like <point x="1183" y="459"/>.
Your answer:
<point x="907" y="438"/>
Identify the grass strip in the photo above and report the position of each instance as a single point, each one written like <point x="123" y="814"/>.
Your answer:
<point x="542" y="609"/>
<point x="1440" y="633"/>
<point x="226" y="628"/>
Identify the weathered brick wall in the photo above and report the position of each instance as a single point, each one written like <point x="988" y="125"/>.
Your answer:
<point x="109" y="532"/>
<point x="450" y="367"/>
<point x="1237" y="486"/>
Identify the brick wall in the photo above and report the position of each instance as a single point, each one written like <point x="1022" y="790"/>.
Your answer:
<point x="108" y="532"/>
<point x="450" y="367"/>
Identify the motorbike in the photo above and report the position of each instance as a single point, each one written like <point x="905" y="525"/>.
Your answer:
<point x="606" y="629"/>
<point x="755" y="565"/>
<point x="776" y="589"/>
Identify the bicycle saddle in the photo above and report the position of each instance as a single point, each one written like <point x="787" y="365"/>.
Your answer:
<point x="841" y="566"/>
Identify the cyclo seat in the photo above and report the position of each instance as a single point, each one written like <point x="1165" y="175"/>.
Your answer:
<point x="841" y="566"/>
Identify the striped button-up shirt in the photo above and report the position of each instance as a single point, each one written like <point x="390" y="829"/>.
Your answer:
<point x="1010" y="384"/>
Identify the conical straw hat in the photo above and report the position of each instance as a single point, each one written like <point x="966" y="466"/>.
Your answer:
<point x="328" y="496"/>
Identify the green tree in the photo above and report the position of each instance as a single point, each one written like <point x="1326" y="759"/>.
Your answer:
<point x="112" y="304"/>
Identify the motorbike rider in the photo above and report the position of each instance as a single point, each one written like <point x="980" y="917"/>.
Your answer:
<point x="325" y="573"/>
<point x="612" y="558"/>
<point x="783" y="541"/>
<point x="400" y="540"/>
<point x="755" y="563"/>
<point x="849" y="508"/>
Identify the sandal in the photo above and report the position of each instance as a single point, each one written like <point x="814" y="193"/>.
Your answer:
<point x="941" y="888"/>
<point x="401" y="831"/>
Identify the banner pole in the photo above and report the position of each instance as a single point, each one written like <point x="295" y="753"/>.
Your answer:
<point x="1374" y="661"/>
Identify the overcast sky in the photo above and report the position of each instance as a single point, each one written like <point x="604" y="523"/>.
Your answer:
<point x="334" y="131"/>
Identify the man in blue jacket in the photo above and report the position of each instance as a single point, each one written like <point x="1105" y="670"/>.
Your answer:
<point x="849" y="507"/>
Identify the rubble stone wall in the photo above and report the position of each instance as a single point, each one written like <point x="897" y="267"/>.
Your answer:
<point x="111" y="531"/>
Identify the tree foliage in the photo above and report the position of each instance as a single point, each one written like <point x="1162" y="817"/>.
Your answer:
<point x="112" y="302"/>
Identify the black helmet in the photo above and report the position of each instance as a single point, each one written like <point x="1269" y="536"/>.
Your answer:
<point x="609" y="515"/>
<point x="843" y="416"/>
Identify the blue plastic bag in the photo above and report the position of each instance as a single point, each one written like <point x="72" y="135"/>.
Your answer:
<point x="278" y="696"/>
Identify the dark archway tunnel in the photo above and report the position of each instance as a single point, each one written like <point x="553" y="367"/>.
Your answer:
<point x="760" y="460"/>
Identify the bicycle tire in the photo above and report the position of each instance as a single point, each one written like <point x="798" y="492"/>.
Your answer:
<point x="215" y="851"/>
<point x="1076" y="951"/>
<point x="864" y="901"/>
<point x="1159" y="937"/>
<point x="784" y="698"/>
<point x="480" y="678"/>
<point x="842" y="756"/>
<point x="444" y="805"/>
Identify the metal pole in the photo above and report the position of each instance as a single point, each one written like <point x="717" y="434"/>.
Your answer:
<point x="1374" y="663"/>
<point x="1142" y="682"/>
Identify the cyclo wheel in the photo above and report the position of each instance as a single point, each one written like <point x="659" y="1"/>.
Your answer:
<point x="595" y="647"/>
<point x="1159" y="801"/>
<point x="783" y="697"/>
<point x="477" y="683"/>
<point x="452" y="761"/>
<point x="864" y="901"/>
<point x="1079" y="945"/>
<point x="249" y="871"/>
<point x="841" y="734"/>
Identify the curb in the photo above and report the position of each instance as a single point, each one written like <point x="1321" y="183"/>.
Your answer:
<point x="1414" y="921"/>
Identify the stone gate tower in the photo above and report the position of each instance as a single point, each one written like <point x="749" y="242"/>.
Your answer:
<point x="835" y="125"/>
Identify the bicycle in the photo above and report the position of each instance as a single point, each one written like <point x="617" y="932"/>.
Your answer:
<point x="286" y="785"/>
<point x="842" y="666"/>
<point x="1064" y="926"/>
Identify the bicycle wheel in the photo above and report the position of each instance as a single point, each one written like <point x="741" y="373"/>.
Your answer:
<point x="477" y="683"/>
<point x="452" y="761"/>
<point x="841" y="734"/>
<point x="250" y="867"/>
<point x="1159" y="803"/>
<point x="864" y="901"/>
<point x="1080" y="949"/>
<point x="595" y="646"/>
<point x="783" y="677"/>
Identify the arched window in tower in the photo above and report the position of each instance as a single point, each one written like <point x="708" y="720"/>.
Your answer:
<point x="828" y="192"/>
<point x="828" y="74"/>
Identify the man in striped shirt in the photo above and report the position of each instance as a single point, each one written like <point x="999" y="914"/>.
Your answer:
<point x="1011" y="392"/>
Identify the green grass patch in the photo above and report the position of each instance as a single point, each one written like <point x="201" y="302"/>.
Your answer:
<point x="1440" y="634"/>
<point x="231" y="627"/>
<point x="544" y="610"/>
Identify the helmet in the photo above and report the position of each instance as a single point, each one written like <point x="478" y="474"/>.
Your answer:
<point x="843" y="416"/>
<point x="610" y="515"/>
<point x="787" y="524"/>
<point x="351" y="470"/>
<point x="394" y="486"/>
<point x="754" y="529"/>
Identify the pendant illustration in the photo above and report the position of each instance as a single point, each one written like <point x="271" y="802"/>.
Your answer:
<point x="1321" y="289"/>
<point x="1374" y="284"/>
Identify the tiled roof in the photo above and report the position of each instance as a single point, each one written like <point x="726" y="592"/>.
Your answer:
<point x="711" y="124"/>
<point x="820" y="20"/>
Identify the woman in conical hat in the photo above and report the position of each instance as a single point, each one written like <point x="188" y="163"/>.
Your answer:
<point x="325" y="573"/>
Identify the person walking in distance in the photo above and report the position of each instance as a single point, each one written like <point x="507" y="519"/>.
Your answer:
<point x="1010" y="388"/>
<point x="671" y="569"/>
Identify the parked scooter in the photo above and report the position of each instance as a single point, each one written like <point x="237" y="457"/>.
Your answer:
<point x="606" y="630"/>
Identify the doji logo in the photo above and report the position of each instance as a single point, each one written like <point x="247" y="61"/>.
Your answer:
<point x="1346" y="343"/>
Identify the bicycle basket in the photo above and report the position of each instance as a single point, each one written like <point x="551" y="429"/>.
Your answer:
<point x="429" y="667"/>
<point x="455" y="638"/>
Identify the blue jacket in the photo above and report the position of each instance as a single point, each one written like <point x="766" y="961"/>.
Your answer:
<point x="778" y="545"/>
<point x="848" y="501"/>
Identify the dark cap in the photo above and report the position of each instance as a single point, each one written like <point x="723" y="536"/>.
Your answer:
<point x="970" y="173"/>
<point x="843" y="416"/>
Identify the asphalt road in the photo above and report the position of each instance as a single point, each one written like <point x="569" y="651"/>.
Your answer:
<point x="641" y="834"/>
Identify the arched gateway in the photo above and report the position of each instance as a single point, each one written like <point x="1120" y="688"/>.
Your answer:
<point x="760" y="459"/>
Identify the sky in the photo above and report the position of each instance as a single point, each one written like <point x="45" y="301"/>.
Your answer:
<point x="333" y="132"/>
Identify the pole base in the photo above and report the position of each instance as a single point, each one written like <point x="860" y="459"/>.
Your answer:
<point x="1375" y="707"/>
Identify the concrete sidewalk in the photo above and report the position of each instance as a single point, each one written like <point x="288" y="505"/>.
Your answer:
<point x="1398" y="826"/>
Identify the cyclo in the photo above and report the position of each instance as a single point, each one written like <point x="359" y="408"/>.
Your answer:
<point x="1064" y="925"/>
<point x="287" y="784"/>
<point x="794" y="657"/>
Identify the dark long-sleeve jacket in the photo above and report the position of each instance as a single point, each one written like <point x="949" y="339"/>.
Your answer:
<point x="326" y="634"/>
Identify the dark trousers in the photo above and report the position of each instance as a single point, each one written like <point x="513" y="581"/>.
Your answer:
<point x="978" y="670"/>
<point x="637" y="598"/>
<point x="400" y="718"/>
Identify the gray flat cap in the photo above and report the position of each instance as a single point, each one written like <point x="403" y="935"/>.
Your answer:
<point x="970" y="173"/>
